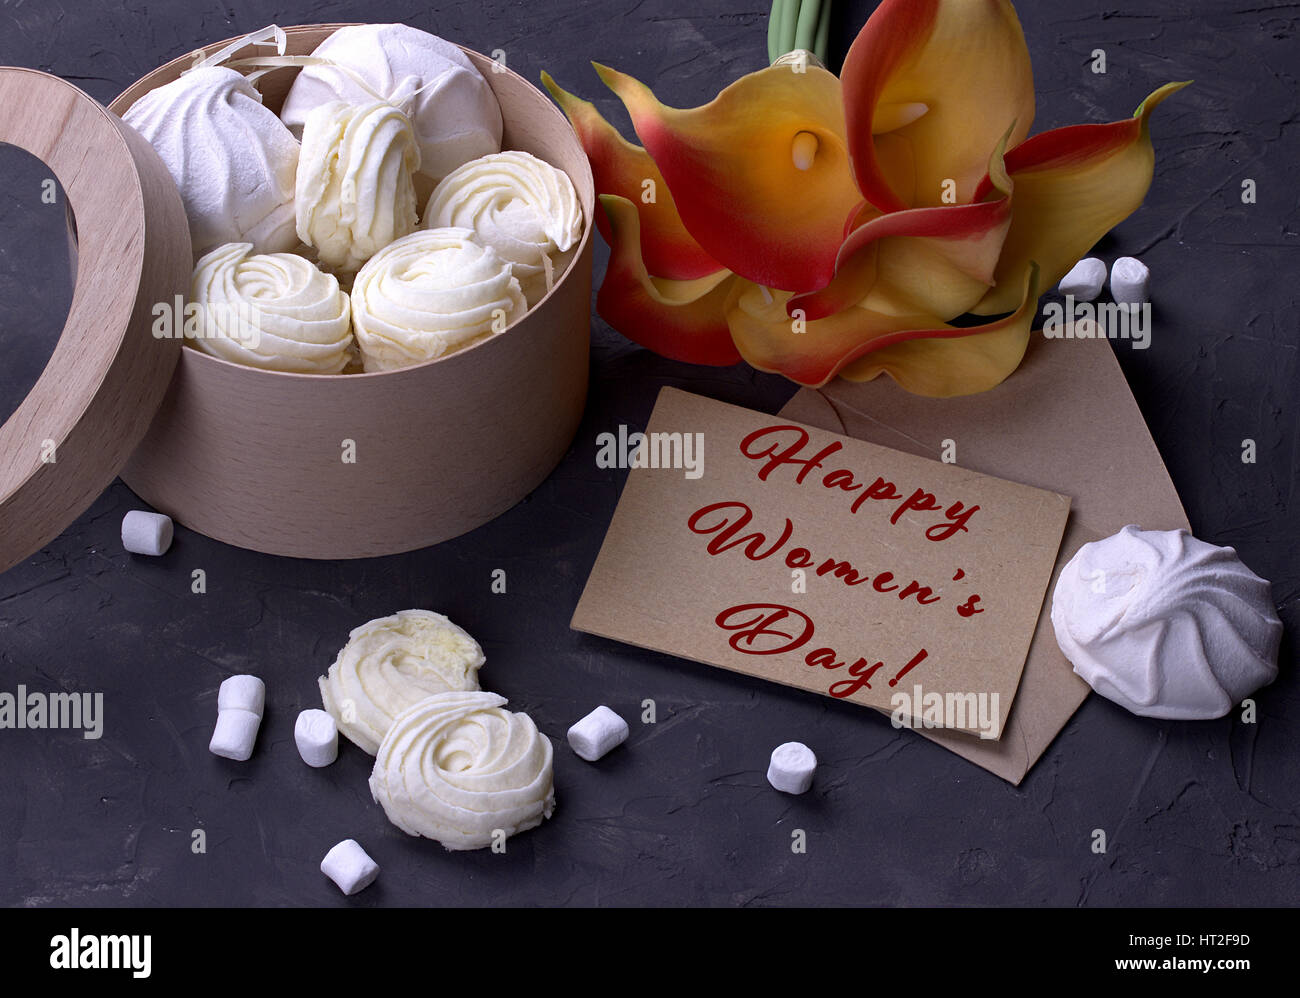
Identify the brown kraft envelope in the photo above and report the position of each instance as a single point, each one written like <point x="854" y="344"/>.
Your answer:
<point x="1065" y="421"/>
<point x="860" y="572"/>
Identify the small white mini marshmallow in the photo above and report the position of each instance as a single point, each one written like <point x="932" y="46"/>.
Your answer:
<point x="317" y="737"/>
<point x="146" y="533"/>
<point x="792" y="767"/>
<point x="234" y="735"/>
<point x="348" y="866"/>
<point x="1130" y="281"/>
<point x="1085" y="279"/>
<point x="597" y="733"/>
<point x="242" y="693"/>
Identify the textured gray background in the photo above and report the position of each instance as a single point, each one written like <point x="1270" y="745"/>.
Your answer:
<point x="1195" y="813"/>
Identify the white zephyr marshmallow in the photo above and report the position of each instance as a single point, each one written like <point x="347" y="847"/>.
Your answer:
<point x="235" y="733"/>
<point x="356" y="192"/>
<point x="242" y="693"/>
<point x="276" y="311"/>
<point x="232" y="159"/>
<point x="1085" y="279"/>
<point x="792" y="767"/>
<point x="1129" y="281"/>
<point x="317" y="737"/>
<point x="146" y="533"/>
<point x="431" y="294"/>
<point x="1166" y="625"/>
<point x="460" y="769"/>
<point x="349" y="866"/>
<point x="522" y="207"/>
<point x="597" y="733"/>
<point x="392" y="663"/>
<point x="454" y="111"/>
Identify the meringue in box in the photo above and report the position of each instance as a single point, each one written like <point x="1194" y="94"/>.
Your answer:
<point x="355" y="186"/>
<point x="281" y="461"/>
<point x="232" y="158"/>
<point x="502" y="225"/>
<point x="455" y="113"/>
<point x="431" y="294"/>
<point x="521" y="206"/>
<point x="274" y="310"/>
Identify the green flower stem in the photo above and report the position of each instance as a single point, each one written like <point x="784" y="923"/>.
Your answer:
<point x="806" y="24"/>
<point x="774" y="51"/>
<point x="822" y="40"/>
<point x="798" y="24"/>
<point x="789" y="20"/>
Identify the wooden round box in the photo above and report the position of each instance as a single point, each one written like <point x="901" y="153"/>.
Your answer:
<point x="328" y="466"/>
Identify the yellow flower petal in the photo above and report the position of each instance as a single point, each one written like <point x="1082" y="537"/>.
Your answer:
<point x="619" y="167"/>
<point x="966" y="63"/>
<point x="941" y="367"/>
<point x="1073" y="185"/>
<point x="682" y="320"/>
<point x="813" y="352"/>
<point x="932" y="261"/>
<point x="738" y="173"/>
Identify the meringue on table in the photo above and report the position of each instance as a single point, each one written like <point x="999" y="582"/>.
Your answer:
<point x="453" y="108"/>
<point x="1166" y="625"/>
<point x="276" y="311"/>
<point x="521" y="206"/>
<point x="355" y="193"/>
<point x="460" y="769"/>
<point x="392" y="663"/>
<point x="429" y="295"/>
<point x="232" y="159"/>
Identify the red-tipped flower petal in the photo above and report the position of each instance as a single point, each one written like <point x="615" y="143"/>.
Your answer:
<point x="760" y="174"/>
<point x="964" y="62"/>
<point x="682" y="320"/>
<point x="942" y="366"/>
<point x="1073" y="185"/>
<point x="935" y="261"/>
<point x="619" y="167"/>
<point x="814" y="352"/>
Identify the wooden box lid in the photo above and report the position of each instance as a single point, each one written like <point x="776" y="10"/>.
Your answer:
<point x="66" y="442"/>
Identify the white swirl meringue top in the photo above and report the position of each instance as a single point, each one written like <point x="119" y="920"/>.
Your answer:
<point x="391" y="663"/>
<point x="276" y="311"/>
<point x="232" y="159"/>
<point x="457" y="768"/>
<point x="456" y="114"/>
<point x="430" y="294"/>
<point x="521" y="206"/>
<point x="355" y="188"/>
<point x="1166" y="625"/>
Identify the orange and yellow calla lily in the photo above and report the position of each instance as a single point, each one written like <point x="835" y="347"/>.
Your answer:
<point x="820" y="226"/>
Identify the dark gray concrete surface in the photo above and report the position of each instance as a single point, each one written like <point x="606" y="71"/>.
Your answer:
<point x="1194" y="813"/>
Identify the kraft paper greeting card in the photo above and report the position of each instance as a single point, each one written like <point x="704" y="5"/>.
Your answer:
<point x="780" y="550"/>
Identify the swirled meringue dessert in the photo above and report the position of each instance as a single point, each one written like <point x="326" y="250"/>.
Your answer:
<point x="391" y="663"/>
<point x="233" y="160"/>
<point x="430" y="294"/>
<point x="355" y="192"/>
<point x="460" y="769"/>
<point x="1166" y="625"/>
<point x="454" y="110"/>
<point x="521" y="206"/>
<point x="276" y="311"/>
